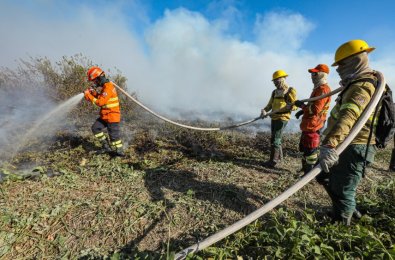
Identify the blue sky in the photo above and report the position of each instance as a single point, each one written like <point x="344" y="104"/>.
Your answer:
<point x="335" y="21"/>
<point x="178" y="55"/>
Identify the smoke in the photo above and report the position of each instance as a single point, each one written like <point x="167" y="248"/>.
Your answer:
<point x="28" y="116"/>
<point x="183" y="64"/>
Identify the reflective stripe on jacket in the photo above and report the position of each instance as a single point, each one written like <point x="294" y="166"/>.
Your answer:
<point x="314" y="113"/>
<point x="278" y="102"/>
<point x="349" y="107"/>
<point x="108" y="101"/>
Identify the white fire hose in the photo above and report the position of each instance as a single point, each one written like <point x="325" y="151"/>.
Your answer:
<point x="294" y="188"/>
<point x="218" y="128"/>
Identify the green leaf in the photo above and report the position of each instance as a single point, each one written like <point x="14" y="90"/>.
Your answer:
<point x="317" y="250"/>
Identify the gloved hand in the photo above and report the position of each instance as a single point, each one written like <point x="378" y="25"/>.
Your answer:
<point x="87" y="94"/>
<point x="328" y="158"/>
<point x="298" y="114"/>
<point x="299" y="103"/>
<point x="263" y="113"/>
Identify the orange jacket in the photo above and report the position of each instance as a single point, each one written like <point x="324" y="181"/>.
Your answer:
<point x="314" y="113"/>
<point x="108" y="102"/>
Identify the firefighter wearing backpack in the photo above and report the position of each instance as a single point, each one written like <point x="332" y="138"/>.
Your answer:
<point x="314" y="117"/>
<point x="110" y="116"/>
<point x="343" y="173"/>
<point x="282" y="98"/>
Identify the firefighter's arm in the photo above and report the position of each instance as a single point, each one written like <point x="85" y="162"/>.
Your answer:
<point x="94" y="92"/>
<point x="88" y="95"/>
<point x="104" y="96"/>
<point x="353" y="104"/>
<point x="292" y="98"/>
<point x="317" y="106"/>
<point x="268" y="107"/>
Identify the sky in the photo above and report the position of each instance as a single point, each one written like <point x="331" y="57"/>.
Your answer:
<point x="195" y="58"/>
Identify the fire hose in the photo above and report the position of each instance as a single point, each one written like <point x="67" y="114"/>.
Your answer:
<point x="218" y="128"/>
<point x="294" y="188"/>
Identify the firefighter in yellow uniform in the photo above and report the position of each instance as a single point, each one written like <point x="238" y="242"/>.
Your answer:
<point x="282" y="97"/>
<point x="342" y="174"/>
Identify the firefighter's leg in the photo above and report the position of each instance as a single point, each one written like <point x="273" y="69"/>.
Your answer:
<point x="277" y="127"/>
<point x="344" y="179"/>
<point x="311" y="158"/>
<point x="392" y="163"/>
<point x="302" y="149"/>
<point x="114" y="130"/>
<point x="270" y="163"/>
<point x="97" y="129"/>
<point x="310" y="142"/>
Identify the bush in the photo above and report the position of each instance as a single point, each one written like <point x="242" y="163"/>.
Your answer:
<point x="59" y="81"/>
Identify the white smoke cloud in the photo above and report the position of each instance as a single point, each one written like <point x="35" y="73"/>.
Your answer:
<point x="282" y="32"/>
<point x="182" y="63"/>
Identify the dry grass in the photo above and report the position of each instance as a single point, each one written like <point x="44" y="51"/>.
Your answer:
<point x="174" y="186"/>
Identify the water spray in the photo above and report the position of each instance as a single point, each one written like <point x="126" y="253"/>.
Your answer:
<point x="61" y="110"/>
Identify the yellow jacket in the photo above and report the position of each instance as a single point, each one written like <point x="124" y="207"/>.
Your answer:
<point x="349" y="107"/>
<point x="278" y="101"/>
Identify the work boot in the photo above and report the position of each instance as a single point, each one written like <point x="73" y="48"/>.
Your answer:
<point x="281" y="156"/>
<point x="271" y="163"/>
<point x="342" y="220"/>
<point x="346" y="220"/>
<point x="303" y="165"/>
<point x="307" y="168"/>
<point x="119" y="152"/>
<point x="278" y="154"/>
<point x="357" y="214"/>
<point x="392" y="163"/>
<point x="117" y="148"/>
<point x="105" y="147"/>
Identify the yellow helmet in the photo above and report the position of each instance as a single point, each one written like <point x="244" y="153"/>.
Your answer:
<point x="279" y="74"/>
<point x="350" y="48"/>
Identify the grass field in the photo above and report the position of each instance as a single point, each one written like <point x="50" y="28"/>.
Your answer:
<point x="175" y="187"/>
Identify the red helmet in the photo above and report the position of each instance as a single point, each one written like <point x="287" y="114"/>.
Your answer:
<point x="94" y="72"/>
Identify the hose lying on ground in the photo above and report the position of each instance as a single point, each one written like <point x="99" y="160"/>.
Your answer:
<point x="294" y="188"/>
<point x="217" y="128"/>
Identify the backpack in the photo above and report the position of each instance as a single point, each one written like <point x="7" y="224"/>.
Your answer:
<point x="385" y="127"/>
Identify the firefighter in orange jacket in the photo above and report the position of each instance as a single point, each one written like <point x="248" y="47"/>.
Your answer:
<point x="314" y="117"/>
<point x="110" y="115"/>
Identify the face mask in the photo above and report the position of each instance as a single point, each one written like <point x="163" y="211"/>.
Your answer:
<point x="319" y="78"/>
<point x="354" y="66"/>
<point x="280" y="83"/>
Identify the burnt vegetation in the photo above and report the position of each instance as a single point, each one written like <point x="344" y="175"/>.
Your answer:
<point x="58" y="199"/>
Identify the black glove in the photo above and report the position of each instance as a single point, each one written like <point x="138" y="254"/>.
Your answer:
<point x="298" y="114"/>
<point x="299" y="103"/>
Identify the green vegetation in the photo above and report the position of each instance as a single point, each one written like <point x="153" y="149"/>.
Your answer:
<point x="175" y="187"/>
